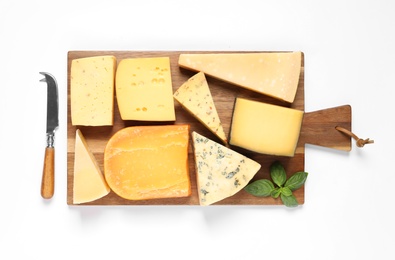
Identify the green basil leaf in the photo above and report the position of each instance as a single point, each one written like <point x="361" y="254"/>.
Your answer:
<point x="260" y="188"/>
<point x="277" y="172"/>
<point x="286" y="191"/>
<point x="275" y="193"/>
<point x="289" y="201"/>
<point x="296" y="181"/>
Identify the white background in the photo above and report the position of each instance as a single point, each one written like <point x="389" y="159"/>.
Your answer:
<point x="349" y="59"/>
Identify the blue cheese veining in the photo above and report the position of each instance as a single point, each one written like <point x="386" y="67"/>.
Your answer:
<point x="221" y="172"/>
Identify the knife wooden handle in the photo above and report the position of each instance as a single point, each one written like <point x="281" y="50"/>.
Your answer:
<point x="48" y="178"/>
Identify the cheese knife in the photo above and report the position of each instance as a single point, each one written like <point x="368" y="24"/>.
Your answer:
<point x="48" y="177"/>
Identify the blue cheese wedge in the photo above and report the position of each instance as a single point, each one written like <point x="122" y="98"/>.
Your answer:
<point x="195" y="97"/>
<point x="221" y="172"/>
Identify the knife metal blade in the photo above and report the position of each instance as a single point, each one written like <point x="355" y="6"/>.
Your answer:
<point x="48" y="178"/>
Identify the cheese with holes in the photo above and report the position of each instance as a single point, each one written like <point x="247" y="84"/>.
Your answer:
<point x="92" y="90"/>
<point x="265" y="128"/>
<point x="148" y="162"/>
<point x="195" y="96"/>
<point x="89" y="183"/>
<point x="221" y="172"/>
<point x="144" y="89"/>
<point x="272" y="74"/>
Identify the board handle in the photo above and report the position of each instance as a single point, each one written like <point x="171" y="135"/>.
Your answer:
<point x="48" y="178"/>
<point x="319" y="128"/>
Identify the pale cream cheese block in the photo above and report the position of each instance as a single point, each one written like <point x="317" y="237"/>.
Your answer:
<point x="92" y="90"/>
<point x="89" y="183"/>
<point x="265" y="128"/>
<point x="195" y="96"/>
<point x="144" y="89"/>
<point x="220" y="171"/>
<point x="275" y="74"/>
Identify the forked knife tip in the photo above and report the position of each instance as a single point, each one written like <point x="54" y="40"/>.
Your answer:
<point x="45" y="78"/>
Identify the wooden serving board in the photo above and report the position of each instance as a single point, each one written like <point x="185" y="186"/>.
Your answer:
<point x="318" y="128"/>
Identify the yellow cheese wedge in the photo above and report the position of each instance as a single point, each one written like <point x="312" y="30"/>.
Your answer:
<point x="89" y="182"/>
<point x="221" y="172"/>
<point x="272" y="74"/>
<point x="265" y="128"/>
<point x="195" y="96"/>
<point x="92" y="90"/>
<point x="144" y="89"/>
<point x="148" y="162"/>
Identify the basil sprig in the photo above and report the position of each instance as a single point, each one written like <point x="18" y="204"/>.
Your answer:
<point x="281" y="187"/>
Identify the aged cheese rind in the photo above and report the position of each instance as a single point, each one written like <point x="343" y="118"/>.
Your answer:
<point x="148" y="162"/>
<point x="220" y="171"/>
<point x="144" y="89"/>
<point x="195" y="96"/>
<point x="88" y="181"/>
<point x="265" y="128"/>
<point x="273" y="74"/>
<point x="92" y="90"/>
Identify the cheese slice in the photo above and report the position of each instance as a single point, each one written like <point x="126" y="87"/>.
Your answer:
<point x="92" y="90"/>
<point x="272" y="74"/>
<point x="144" y="89"/>
<point x="265" y="128"/>
<point x="195" y="96"/>
<point x="89" y="182"/>
<point x="221" y="172"/>
<point x="148" y="162"/>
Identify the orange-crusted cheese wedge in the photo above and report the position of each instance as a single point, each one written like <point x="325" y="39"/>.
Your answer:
<point x="89" y="182"/>
<point x="148" y="162"/>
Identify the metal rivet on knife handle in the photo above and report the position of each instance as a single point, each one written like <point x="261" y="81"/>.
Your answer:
<point x="48" y="177"/>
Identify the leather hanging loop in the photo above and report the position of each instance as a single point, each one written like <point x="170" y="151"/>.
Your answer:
<point x="359" y="141"/>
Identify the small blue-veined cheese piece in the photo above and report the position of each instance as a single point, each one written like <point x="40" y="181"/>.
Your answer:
<point x="221" y="172"/>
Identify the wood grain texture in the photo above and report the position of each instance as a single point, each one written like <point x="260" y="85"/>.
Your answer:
<point x="48" y="178"/>
<point x="224" y="95"/>
<point x="319" y="128"/>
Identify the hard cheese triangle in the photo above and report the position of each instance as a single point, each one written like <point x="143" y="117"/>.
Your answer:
<point x="221" y="172"/>
<point x="89" y="183"/>
<point x="272" y="74"/>
<point x="195" y="96"/>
